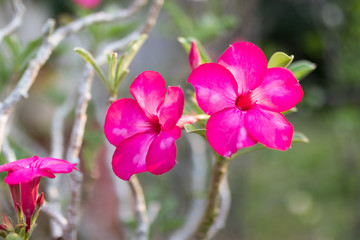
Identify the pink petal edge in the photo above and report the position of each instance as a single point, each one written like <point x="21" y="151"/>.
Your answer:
<point x="215" y="87"/>
<point x="226" y="133"/>
<point x="124" y="119"/>
<point x="149" y="91"/>
<point x="172" y="108"/>
<point x="269" y="128"/>
<point x="247" y="63"/>
<point x="130" y="155"/>
<point x="280" y="91"/>
<point x="162" y="152"/>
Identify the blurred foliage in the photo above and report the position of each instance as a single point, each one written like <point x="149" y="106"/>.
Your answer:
<point x="205" y="26"/>
<point x="311" y="191"/>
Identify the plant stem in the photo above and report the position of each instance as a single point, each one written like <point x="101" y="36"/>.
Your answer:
<point x="142" y="229"/>
<point x="211" y="211"/>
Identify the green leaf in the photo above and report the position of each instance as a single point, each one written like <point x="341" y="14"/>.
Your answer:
<point x="186" y="43"/>
<point x="131" y="51"/>
<point x="294" y="109"/>
<point x="112" y="64"/>
<point x="280" y="59"/>
<point x="300" y="137"/>
<point x="27" y="53"/>
<point x="302" y="68"/>
<point x="14" y="45"/>
<point x="13" y="236"/>
<point x="189" y="128"/>
<point x="90" y="59"/>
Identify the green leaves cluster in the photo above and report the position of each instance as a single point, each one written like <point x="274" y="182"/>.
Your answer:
<point x="117" y="67"/>
<point x="15" y="58"/>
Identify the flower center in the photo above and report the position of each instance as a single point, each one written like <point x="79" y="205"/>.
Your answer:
<point x="245" y="102"/>
<point x="156" y="125"/>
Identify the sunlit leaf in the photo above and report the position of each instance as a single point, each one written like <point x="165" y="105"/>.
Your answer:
<point x="13" y="236"/>
<point x="302" y="68"/>
<point x="300" y="137"/>
<point x="190" y="128"/>
<point x="280" y="59"/>
<point x="90" y="59"/>
<point x="294" y="109"/>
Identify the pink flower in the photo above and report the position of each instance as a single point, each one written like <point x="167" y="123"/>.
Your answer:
<point x="194" y="56"/>
<point x="144" y="130"/>
<point x="24" y="178"/>
<point x="88" y="3"/>
<point x="244" y="99"/>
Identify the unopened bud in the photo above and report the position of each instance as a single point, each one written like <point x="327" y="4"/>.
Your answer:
<point x="40" y="200"/>
<point x="194" y="56"/>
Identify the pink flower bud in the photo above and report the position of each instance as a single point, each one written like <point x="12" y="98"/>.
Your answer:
<point x="194" y="56"/>
<point x="89" y="4"/>
<point x="40" y="200"/>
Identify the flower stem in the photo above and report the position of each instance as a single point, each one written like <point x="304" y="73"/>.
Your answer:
<point x="142" y="229"/>
<point x="211" y="210"/>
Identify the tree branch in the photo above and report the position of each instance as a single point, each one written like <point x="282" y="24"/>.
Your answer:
<point x="49" y="44"/>
<point x="16" y="20"/>
<point x="211" y="212"/>
<point x="198" y="185"/>
<point x="225" y="202"/>
<point x="142" y="218"/>
<point x="77" y="134"/>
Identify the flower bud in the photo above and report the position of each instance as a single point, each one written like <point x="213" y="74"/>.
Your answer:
<point x="194" y="56"/>
<point x="40" y="200"/>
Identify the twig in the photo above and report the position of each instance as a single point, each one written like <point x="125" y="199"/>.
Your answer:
<point x="81" y="117"/>
<point x="49" y="44"/>
<point x="225" y="202"/>
<point x="198" y="184"/>
<point x="57" y="128"/>
<point x="54" y="215"/>
<point x="57" y="151"/>
<point x="16" y="20"/>
<point x="211" y="212"/>
<point x="142" y="218"/>
<point x="76" y="138"/>
<point x="9" y="152"/>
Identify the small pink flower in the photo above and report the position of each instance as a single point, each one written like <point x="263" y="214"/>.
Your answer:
<point x="194" y="56"/>
<point x="24" y="178"/>
<point x="244" y="99"/>
<point x="144" y="130"/>
<point x="88" y="3"/>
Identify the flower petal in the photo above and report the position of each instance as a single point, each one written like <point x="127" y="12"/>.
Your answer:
<point x="124" y="119"/>
<point x="215" y="87"/>
<point x="247" y="63"/>
<point x="149" y="91"/>
<point x="22" y="163"/>
<point x="279" y="91"/>
<point x="55" y="165"/>
<point x="172" y="108"/>
<point x="162" y="152"/>
<point x="29" y="192"/>
<point x="226" y="132"/>
<point x="129" y="156"/>
<point x="26" y="175"/>
<point x="269" y="128"/>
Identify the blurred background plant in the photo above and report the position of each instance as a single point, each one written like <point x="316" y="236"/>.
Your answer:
<point x="311" y="191"/>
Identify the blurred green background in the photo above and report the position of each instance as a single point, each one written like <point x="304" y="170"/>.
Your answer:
<point x="311" y="191"/>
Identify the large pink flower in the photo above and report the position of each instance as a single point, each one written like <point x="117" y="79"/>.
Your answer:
<point x="244" y="100"/>
<point x="144" y="130"/>
<point x="24" y="178"/>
